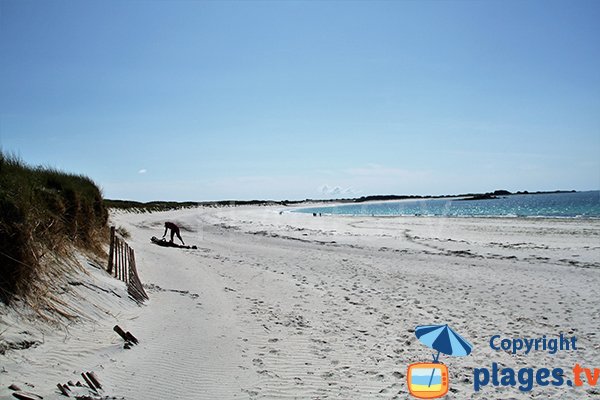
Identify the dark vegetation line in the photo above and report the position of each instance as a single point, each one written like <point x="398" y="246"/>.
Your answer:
<point x="43" y="213"/>
<point x="152" y="206"/>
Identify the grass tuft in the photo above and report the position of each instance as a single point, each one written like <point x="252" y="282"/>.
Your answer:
<point x="43" y="211"/>
<point x="123" y="232"/>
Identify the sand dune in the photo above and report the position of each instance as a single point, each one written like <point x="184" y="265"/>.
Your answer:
<point x="294" y="306"/>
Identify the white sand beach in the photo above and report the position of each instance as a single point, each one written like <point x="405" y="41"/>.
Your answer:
<point x="291" y="306"/>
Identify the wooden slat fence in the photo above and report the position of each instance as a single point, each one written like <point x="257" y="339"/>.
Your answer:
<point x="121" y="264"/>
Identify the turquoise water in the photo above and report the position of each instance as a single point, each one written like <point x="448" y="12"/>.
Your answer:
<point x="565" y="205"/>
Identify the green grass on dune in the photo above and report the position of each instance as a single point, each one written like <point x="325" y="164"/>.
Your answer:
<point x="42" y="210"/>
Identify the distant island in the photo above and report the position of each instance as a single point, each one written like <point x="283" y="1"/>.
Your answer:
<point x="462" y="197"/>
<point x="170" y="205"/>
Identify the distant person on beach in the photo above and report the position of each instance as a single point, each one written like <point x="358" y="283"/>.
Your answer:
<point x="174" y="231"/>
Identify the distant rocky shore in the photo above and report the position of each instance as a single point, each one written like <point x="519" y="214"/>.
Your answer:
<point x="174" y="205"/>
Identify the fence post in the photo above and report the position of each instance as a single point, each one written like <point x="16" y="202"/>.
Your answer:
<point x="122" y="259"/>
<point x="130" y="269"/>
<point x="118" y="268"/>
<point x="121" y="264"/>
<point x="111" y="251"/>
<point x="126" y="266"/>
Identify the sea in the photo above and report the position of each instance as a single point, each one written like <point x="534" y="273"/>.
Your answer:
<point x="550" y="205"/>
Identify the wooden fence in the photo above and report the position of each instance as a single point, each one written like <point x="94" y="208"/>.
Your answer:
<point x="121" y="264"/>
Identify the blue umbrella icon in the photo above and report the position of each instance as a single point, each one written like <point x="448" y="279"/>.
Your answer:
<point x="443" y="339"/>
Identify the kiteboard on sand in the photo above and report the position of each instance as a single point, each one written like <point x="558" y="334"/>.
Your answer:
<point x="164" y="243"/>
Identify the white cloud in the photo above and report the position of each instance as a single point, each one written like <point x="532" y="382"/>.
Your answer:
<point x="337" y="191"/>
<point x="142" y="171"/>
<point x="378" y="179"/>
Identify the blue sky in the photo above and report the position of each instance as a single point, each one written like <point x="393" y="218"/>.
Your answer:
<point x="205" y="100"/>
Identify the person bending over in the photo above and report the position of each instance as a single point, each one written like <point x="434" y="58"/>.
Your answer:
<point x="174" y="231"/>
